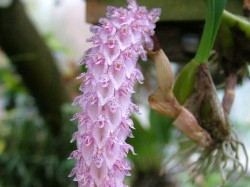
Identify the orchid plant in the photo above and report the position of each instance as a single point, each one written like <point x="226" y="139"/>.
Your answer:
<point x="104" y="122"/>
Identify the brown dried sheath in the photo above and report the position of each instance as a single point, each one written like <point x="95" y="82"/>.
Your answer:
<point x="163" y="101"/>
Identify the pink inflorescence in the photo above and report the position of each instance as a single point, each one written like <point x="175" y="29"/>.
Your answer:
<point x="104" y="121"/>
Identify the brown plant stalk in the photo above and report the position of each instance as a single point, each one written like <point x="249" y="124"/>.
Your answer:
<point x="229" y="92"/>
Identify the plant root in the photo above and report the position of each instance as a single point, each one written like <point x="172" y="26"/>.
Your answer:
<point x="222" y="158"/>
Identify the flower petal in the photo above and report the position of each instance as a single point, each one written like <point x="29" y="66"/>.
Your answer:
<point x="105" y="92"/>
<point x="114" y="117"/>
<point x="111" y="153"/>
<point x="111" y="52"/>
<point x="98" y="70"/>
<point x="86" y="147"/>
<point x="98" y="174"/>
<point x="117" y="74"/>
<point x="101" y="131"/>
<point x="93" y="110"/>
<point x="124" y="100"/>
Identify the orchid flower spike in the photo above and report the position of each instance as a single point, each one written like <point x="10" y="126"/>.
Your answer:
<point x="104" y="121"/>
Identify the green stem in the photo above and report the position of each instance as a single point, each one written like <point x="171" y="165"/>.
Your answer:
<point x="215" y="9"/>
<point x="231" y="20"/>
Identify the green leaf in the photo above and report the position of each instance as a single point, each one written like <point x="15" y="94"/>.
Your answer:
<point x="184" y="84"/>
<point x="215" y="10"/>
<point x="161" y="127"/>
<point x="149" y="143"/>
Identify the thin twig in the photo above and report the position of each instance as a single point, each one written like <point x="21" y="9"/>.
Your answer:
<point x="229" y="93"/>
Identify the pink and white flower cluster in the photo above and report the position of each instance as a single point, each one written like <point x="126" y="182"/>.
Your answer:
<point x="104" y="121"/>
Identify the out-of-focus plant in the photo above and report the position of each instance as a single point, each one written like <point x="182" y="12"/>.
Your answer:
<point x="30" y="155"/>
<point x="150" y="145"/>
